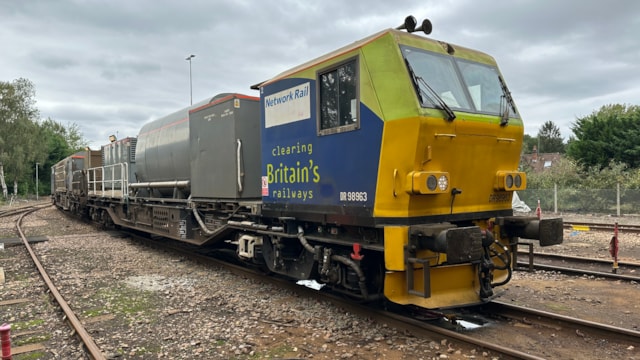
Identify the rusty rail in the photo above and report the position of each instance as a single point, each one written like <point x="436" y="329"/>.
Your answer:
<point x="91" y="346"/>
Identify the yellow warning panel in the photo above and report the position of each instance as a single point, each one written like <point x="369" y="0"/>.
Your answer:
<point x="580" y="228"/>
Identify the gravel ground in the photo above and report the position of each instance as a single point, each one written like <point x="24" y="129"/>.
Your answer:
<point x="36" y="320"/>
<point x="595" y="299"/>
<point x="595" y="244"/>
<point x="144" y="303"/>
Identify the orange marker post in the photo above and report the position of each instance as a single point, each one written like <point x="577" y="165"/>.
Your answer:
<point x="613" y="249"/>
<point x="5" y="338"/>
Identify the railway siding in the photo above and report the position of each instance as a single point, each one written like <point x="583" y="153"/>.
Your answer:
<point x="35" y="322"/>
<point x="141" y="302"/>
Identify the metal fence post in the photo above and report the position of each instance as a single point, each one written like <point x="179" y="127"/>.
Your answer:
<point x="555" y="198"/>
<point x="618" y="199"/>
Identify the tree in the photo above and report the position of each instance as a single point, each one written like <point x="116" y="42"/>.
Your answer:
<point x="18" y="131"/>
<point x="610" y="134"/>
<point x="25" y="141"/>
<point x="528" y="142"/>
<point x="60" y="139"/>
<point x="550" y="139"/>
<point x="59" y="142"/>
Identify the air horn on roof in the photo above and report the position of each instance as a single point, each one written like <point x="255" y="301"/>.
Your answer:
<point x="410" y="23"/>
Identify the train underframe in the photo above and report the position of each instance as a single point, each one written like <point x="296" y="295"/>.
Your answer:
<point x="347" y="259"/>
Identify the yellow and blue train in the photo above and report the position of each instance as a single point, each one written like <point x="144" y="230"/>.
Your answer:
<point x="384" y="169"/>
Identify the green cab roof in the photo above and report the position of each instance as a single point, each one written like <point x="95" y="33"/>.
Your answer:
<point x="401" y="37"/>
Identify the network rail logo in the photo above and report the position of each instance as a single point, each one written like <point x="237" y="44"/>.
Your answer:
<point x="287" y="106"/>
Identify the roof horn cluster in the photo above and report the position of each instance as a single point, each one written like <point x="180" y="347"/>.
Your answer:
<point x="410" y="23"/>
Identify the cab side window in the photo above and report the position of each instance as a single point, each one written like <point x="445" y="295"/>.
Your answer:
<point x="338" y="99"/>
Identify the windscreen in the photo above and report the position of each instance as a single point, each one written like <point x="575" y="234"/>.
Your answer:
<point x="461" y="84"/>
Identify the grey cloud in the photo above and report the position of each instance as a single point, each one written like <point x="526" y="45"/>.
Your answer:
<point x="53" y="61"/>
<point x="111" y="66"/>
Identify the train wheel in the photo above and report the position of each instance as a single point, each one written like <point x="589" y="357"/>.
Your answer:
<point x="375" y="275"/>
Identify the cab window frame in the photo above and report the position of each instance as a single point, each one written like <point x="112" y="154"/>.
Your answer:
<point x="344" y="103"/>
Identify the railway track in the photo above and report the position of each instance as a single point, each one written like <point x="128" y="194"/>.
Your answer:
<point x="72" y="320"/>
<point x="436" y="326"/>
<point x="588" y="226"/>
<point x="21" y="209"/>
<point x="490" y="336"/>
<point x="557" y="336"/>
<point x="487" y="333"/>
<point x="581" y="266"/>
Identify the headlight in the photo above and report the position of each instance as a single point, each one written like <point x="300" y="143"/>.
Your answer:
<point x="443" y="183"/>
<point x="427" y="182"/>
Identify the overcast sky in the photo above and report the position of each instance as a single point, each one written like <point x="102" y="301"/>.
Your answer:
<point x="110" y="66"/>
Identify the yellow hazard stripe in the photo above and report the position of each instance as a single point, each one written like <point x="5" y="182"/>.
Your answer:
<point x="580" y="227"/>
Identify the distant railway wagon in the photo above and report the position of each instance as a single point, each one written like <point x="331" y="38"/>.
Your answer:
<point x="68" y="181"/>
<point x="384" y="169"/>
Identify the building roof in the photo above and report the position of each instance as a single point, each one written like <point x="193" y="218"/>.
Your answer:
<point x="540" y="162"/>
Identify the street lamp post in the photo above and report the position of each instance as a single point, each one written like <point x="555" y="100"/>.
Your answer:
<point x="37" y="181"/>
<point x="188" y="58"/>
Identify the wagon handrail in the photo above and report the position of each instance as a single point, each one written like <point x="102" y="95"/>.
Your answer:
<point x="109" y="179"/>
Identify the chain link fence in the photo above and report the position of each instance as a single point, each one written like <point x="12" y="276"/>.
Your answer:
<point x="619" y="201"/>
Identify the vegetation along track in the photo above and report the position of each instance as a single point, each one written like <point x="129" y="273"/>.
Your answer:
<point x="70" y="316"/>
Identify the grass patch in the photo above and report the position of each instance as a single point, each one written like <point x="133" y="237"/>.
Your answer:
<point x="19" y="276"/>
<point x="25" y="325"/>
<point x="31" y="340"/>
<point x="122" y="302"/>
<point x="220" y="342"/>
<point x="95" y="312"/>
<point x="34" y="355"/>
<point x="557" y="307"/>
<point x="143" y="350"/>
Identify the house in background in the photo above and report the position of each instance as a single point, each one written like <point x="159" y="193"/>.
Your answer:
<point x="539" y="162"/>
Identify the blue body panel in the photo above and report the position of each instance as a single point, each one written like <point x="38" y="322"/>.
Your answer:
<point x="303" y="170"/>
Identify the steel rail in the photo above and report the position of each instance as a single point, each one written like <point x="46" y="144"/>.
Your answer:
<point x="576" y="225"/>
<point x="400" y="321"/>
<point x="520" y="312"/>
<point x="530" y="265"/>
<point x="91" y="346"/>
<point x="567" y="270"/>
<point x="460" y="337"/>
<point x="21" y="209"/>
<point x="560" y="257"/>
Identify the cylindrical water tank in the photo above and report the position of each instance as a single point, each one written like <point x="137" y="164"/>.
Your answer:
<point x="162" y="152"/>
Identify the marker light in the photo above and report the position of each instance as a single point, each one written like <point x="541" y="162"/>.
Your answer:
<point x="432" y="183"/>
<point x="518" y="180"/>
<point x="427" y="182"/>
<point x="510" y="181"/>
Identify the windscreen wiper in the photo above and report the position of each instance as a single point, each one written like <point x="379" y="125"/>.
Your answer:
<point x="506" y="94"/>
<point x="421" y="85"/>
<point x="442" y="105"/>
